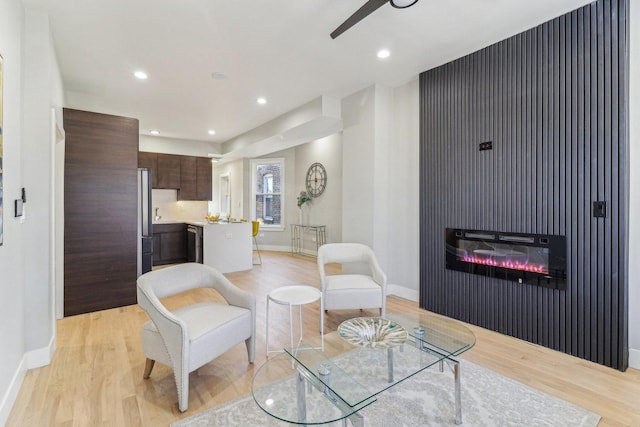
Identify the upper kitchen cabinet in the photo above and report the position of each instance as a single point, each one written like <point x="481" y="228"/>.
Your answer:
<point x="149" y="161"/>
<point x="188" y="174"/>
<point x="195" y="178"/>
<point x="203" y="178"/>
<point x="168" y="171"/>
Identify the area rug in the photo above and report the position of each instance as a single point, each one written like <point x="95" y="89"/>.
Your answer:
<point x="427" y="399"/>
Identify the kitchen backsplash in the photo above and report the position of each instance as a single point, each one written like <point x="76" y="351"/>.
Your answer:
<point x="169" y="208"/>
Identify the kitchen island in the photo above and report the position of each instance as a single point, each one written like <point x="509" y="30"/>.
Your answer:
<point x="226" y="247"/>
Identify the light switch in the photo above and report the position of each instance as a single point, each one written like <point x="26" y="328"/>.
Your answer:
<point x="600" y="209"/>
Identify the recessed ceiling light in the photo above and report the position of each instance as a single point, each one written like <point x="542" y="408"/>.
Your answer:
<point x="212" y="132"/>
<point x="154" y="132"/>
<point x="384" y="53"/>
<point x="141" y="75"/>
<point x="219" y="76"/>
<point x="261" y="101"/>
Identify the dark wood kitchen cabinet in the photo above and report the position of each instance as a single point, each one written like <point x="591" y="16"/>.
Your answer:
<point x="168" y="171"/>
<point x="149" y="161"/>
<point x="188" y="176"/>
<point x="100" y="205"/>
<point x="203" y="178"/>
<point x="195" y="174"/>
<point x="169" y="243"/>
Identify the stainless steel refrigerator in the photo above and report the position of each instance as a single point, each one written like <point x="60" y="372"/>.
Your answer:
<point x="145" y="224"/>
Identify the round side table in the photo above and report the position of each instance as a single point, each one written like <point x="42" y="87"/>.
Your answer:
<point x="295" y="295"/>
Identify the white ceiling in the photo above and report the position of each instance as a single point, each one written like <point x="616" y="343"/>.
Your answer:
<point x="279" y="49"/>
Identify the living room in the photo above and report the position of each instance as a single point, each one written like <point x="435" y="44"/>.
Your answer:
<point x="370" y="115"/>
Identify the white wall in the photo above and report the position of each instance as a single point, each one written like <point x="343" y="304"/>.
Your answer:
<point x="634" y="187"/>
<point x="42" y="92"/>
<point x="358" y="156"/>
<point x="327" y="208"/>
<point x="235" y="169"/>
<point x="12" y="365"/>
<point x="403" y="265"/>
<point x="183" y="147"/>
<point x="380" y="180"/>
<point x="26" y="257"/>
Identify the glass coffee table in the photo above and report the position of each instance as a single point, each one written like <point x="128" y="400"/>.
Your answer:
<point x="365" y="357"/>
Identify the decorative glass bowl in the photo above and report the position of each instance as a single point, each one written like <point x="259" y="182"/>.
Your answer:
<point x="372" y="332"/>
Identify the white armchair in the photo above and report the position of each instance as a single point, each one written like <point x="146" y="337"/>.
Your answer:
<point x="191" y="336"/>
<point x="352" y="291"/>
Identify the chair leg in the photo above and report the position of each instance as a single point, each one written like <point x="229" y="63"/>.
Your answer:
<point x="257" y="250"/>
<point x="251" y="348"/>
<point x="182" y="384"/>
<point x="148" y="367"/>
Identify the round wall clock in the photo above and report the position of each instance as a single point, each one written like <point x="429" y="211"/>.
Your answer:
<point x="316" y="179"/>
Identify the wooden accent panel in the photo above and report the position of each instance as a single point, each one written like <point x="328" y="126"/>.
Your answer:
<point x="149" y="161"/>
<point x="553" y="100"/>
<point x="168" y="171"/>
<point x="100" y="253"/>
<point x="203" y="178"/>
<point x="188" y="190"/>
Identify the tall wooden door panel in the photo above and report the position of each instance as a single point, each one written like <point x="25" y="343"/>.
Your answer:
<point x="100" y="192"/>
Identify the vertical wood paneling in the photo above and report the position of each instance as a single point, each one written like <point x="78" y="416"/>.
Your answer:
<point x="554" y="102"/>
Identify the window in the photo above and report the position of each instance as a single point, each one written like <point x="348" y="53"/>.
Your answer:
<point x="268" y="199"/>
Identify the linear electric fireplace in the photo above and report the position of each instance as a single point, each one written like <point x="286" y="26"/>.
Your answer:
<point x="537" y="259"/>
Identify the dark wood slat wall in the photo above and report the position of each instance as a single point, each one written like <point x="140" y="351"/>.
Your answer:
<point x="554" y="102"/>
<point x="100" y="198"/>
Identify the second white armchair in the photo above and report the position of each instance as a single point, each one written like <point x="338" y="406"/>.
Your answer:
<point x="352" y="291"/>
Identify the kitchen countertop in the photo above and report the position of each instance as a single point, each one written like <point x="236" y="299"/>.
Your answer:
<point x="168" y="221"/>
<point x="203" y="223"/>
<point x="192" y="222"/>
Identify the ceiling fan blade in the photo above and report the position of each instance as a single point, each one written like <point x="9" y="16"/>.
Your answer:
<point x="366" y="9"/>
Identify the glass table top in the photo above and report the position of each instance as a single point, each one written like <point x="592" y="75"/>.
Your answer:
<point x="346" y="377"/>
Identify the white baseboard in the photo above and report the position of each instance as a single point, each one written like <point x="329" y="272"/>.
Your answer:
<point x="31" y="359"/>
<point x="12" y="392"/>
<point x="634" y="358"/>
<point x="402" y="292"/>
<point x="41" y="356"/>
<point x="276" y="248"/>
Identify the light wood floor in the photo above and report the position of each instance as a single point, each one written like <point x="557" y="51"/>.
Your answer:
<point x="95" y="377"/>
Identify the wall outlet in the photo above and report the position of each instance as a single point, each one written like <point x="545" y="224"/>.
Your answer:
<point x="600" y="209"/>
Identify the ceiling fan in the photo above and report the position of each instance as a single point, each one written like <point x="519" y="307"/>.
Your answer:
<point x="368" y="8"/>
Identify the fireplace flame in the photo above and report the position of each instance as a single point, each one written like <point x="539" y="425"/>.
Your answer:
<point x="513" y="265"/>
